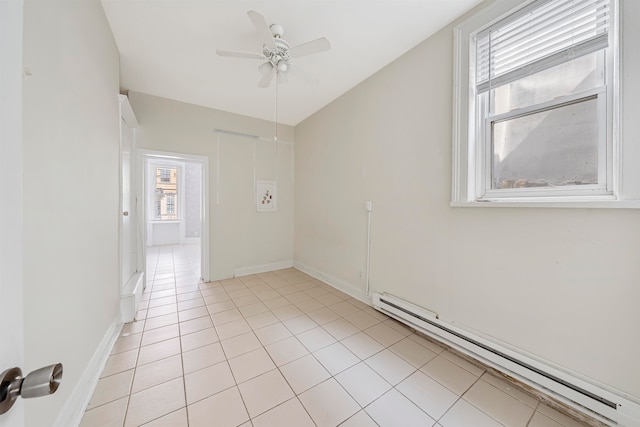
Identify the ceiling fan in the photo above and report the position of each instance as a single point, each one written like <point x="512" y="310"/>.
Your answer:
<point x="277" y="52"/>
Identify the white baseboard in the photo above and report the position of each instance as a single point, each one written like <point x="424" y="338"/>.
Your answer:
<point x="339" y="284"/>
<point x="74" y="408"/>
<point x="130" y="297"/>
<point x="263" y="268"/>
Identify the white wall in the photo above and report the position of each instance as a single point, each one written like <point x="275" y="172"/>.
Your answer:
<point x="559" y="283"/>
<point x="11" y="295"/>
<point x="71" y="143"/>
<point x="239" y="236"/>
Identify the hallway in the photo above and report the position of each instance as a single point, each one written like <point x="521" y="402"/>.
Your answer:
<point x="283" y="349"/>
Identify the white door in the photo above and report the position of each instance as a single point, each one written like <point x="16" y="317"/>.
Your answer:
<point x="11" y="292"/>
<point x="128" y="246"/>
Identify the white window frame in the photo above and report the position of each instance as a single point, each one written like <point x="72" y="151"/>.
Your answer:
<point x="151" y="176"/>
<point x="471" y="162"/>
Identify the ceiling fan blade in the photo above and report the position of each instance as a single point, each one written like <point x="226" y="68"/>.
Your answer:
<point x="308" y="48"/>
<point x="240" y="54"/>
<point x="263" y="29"/>
<point x="267" y="70"/>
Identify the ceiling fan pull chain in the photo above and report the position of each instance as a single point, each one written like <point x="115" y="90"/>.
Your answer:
<point x="276" y="118"/>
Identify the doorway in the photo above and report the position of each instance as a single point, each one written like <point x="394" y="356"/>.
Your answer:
<point x="175" y="209"/>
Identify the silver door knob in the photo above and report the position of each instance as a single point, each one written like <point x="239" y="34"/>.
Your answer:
<point x="41" y="382"/>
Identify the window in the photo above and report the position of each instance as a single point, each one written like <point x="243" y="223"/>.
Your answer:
<point x="535" y="103"/>
<point x="165" y="193"/>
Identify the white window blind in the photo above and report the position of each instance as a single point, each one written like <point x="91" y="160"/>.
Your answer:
<point x="539" y="36"/>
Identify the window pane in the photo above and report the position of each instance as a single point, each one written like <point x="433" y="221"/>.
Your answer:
<point x="555" y="147"/>
<point x="565" y="79"/>
<point x="165" y="193"/>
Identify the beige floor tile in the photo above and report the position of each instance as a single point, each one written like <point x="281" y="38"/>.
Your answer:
<point x="384" y="334"/>
<point x="272" y="333"/>
<point x="464" y="414"/>
<point x="111" y="388"/>
<point x="219" y="307"/>
<point x="246" y="300"/>
<point x="308" y="305"/>
<point x="298" y="297"/>
<point x="328" y="403"/>
<point x="343" y="308"/>
<point x="274" y="303"/>
<point x="126" y="343"/>
<point x="192" y="313"/>
<point x="162" y="310"/>
<point x="394" y="410"/>
<point x="362" y="345"/>
<point x="153" y="336"/>
<point x="449" y="374"/>
<point x="253" y="309"/>
<point x="286" y="312"/>
<point x="240" y="344"/>
<point x="157" y="351"/>
<point x="360" y="419"/>
<point x="340" y="329"/>
<point x="286" y="350"/>
<point x="499" y="405"/>
<point x="300" y="324"/>
<point x="157" y="302"/>
<point x="336" y="358"/>
<point x="195" y="325"/>
<point x="412" y="352"/>
<point x="108" y="415"/>
<point x="328" y="299"/>
<point x="463" y="363"/>
<point x="120" y="362"/>
<point x="199" y="339"/>
<point x="304" y="373"/>
<point x="155" y="402"/>
<point x="323" y="315"/>
<point x="232" y="329"/>
<point x="134" y="327"/>
<point x="250" y="365"/>
<point x="208" y="381"/>
<point x="186" y="296"/>
<point x="510" y="389"/>
<point x="265" y="392"/>
<point x="558" y="417"/>
<point x="261" y="320"/>
<point x="315" y="339"/>
<point x="362" y="383"/>
<point x="428" y="394"/>
<point x="390" y="366"/>
<point x="160" y="321"/>
<point x="158" y="372"/>
<point x="539" y="420"/>
<point x="174" y="419"/>
<point x="362" y="320"/>
<point x="426" y="342"/>
<point x="202" y="357"/>
<point x="194" y="303"/>
<point x="290" y="413"/>
<point x="227" y="407"/>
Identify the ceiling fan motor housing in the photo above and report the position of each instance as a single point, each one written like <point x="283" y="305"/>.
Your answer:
<point x="279" y="55"/>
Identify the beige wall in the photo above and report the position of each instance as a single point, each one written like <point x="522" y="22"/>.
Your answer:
<point x="559" y="283"/>
<point x="239" y="236"/>
<point x="71" y="139"/>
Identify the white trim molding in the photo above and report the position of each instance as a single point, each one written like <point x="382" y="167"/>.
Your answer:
<point x="262" y="268"/>
<point x="73" y="410"/>
<point x="339" y="284"/>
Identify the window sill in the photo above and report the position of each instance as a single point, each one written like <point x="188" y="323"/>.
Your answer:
<point x="600" y="204"/>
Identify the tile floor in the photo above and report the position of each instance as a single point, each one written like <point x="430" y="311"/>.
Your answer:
<point x="283" y="349"/>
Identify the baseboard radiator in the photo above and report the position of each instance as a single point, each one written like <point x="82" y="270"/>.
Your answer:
<point x="590" y="399"/>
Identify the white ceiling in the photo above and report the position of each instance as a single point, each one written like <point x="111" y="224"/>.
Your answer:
<point x="168" y="48"/>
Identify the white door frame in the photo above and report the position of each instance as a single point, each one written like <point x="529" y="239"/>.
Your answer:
<point x="144" y="156"/>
